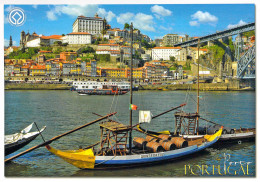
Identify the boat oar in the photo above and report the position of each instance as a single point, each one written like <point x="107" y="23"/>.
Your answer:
<point x="209" y="121"/>
<point x="58" y="137"/>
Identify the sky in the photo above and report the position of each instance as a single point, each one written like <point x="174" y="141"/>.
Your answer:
<point x="154" y="20"/>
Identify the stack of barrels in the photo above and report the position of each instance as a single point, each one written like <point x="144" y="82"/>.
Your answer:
<point x="160" y="143"/>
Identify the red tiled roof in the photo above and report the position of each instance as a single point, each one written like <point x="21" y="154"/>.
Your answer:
<point x="204" y="49"/>
<point x="38" y="67"/>
<point x="26" y="66"/>
<point x="52" y="37"/>
<point x="108" y="44"/>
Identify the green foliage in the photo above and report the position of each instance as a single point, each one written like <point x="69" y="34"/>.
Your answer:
<point x="249" y="34"/>
<point x="137" y="55"/>
<point x="104" y="31"/>
<point x="172" y="58"/>
<point x="64" y="44"/>
<point x="217" y="52"/>
<point x="59" y="43"/>
<point x="103" y="57"/>
<point x="126" y="26"/>
<point x="187" y="66"/>
<point x="84" y="58"/>
<point x="43" y="44"/>
<point x="96" y="42"/>
<point x="87" y="49"/>
<point x="231" y="45"/>
<point x="58" y="50"/>
<point x="21" y="54"/>
<point x="145" y="44"/>
<point x="47" y="48"/>
<point x="33" y="50"/>
<point x="174" y="66"/>
<point x="49" y="56"/>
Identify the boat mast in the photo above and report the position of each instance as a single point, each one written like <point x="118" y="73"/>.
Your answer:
<point x="198" y="87"/>
<point x="131" y="89"/>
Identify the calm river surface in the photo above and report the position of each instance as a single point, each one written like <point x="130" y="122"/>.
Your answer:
<point x="62" y="111"/>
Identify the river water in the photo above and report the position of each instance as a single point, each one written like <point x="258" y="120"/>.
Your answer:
<point x="62" y="111"/>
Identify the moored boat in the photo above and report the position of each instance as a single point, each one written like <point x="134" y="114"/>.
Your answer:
<point x="118" y="156"/>
<point x="93" y="85"/>
<point x="17" y="141"/>
<point x="105" y="90"/>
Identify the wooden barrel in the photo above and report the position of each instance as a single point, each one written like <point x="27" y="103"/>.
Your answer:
<point x="179" y="142"/>
<point x="154" y="147"/>
<point x="167" y="145"/>
<point x="150" y="138"/>
<point x="140" y="142"/>
<point x="164" y="137"/>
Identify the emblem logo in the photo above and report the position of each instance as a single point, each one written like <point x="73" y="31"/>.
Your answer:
<point x="16" y="17"/>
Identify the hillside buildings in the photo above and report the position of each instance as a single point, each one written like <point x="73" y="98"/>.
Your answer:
<point x="165" y="53"/>
<point x="93" y="25"/>
<point x="171" y="39"/>
<point x="42" y="40"/>
<point x="78" y="38"/>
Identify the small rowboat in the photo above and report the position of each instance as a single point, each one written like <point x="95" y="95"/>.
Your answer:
<point x="87" y="159"/>
<point x="16" y="141"/>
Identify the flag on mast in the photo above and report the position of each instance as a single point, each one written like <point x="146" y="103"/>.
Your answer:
<point x="132" y="107"/>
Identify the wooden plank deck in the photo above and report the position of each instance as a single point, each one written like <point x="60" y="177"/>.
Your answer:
<point x="114" y="126"/>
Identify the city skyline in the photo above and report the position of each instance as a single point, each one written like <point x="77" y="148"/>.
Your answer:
<point x="153" y="20"/>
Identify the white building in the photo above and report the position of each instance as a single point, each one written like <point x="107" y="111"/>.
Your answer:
<point x="165" y="53"/>
<point x="92" y="25"/>
<point x="113" y="50"/>
<point x="47" y="40"/>
<point x="78" y="38"/>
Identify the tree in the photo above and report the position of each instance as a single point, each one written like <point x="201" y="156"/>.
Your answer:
<point x="65" y="44"/>
<point x="127" y="26"/>
<point x="87" y="49"/>
<point x="172" y="59"/>
<point x="43" y="44"/>
<point x="104" y="31"/>
<point x="10" y="42"/>
<point x="59" y="43"/>
<point x="63" y="34"/>
<point x="103" y="57"/>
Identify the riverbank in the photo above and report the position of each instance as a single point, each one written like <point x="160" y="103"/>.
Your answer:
<point x="36" y="86"/>
<point x="203" y="87"/>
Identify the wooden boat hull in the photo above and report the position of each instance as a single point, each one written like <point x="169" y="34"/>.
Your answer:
<point x="146" y="159"/>
<point x="19" y="140"/>
<point x="237" y="137"/>
<point x="10" y="148"/>
<point x="85" y="159"/>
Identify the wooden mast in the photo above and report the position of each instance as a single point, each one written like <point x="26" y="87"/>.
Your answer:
<point x="198" y="87"/>
<point x="131" y="89"/>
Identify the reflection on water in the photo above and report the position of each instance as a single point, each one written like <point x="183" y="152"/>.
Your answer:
<point x="61" y="111"/>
